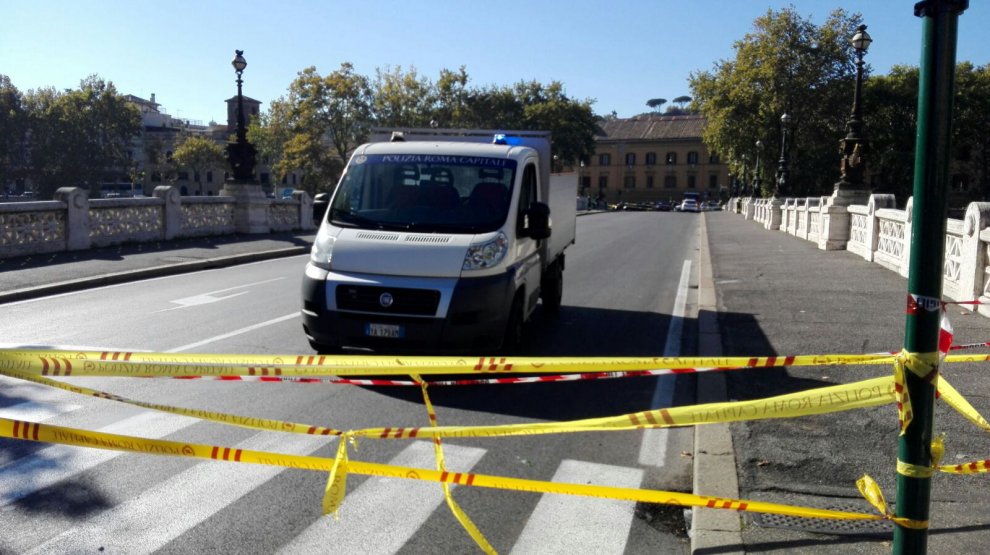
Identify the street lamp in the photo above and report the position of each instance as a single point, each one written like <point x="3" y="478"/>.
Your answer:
<point x="782" y="171"/>
<point x="853" y="162"/>
<point x="745" y="174"/>
<point x="241" y="153"/>
<point x="756" y="171"/>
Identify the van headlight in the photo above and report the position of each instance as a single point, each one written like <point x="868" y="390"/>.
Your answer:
<point x="487" y="254"/>
<point x="322" y="251"/>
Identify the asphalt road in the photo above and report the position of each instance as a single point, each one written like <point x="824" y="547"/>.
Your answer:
<point x="626" y="278"/>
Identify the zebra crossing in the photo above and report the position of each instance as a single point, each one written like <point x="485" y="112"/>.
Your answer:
<point x="378" y="516"/>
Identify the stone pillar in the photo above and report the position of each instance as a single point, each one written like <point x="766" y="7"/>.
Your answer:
<point x="749" y="208"/>
<point x="834" y="232"/>
<point x="974" y="255"/>
<point x="76" y="217"/>
<point x="250" y="207"/>
<point x="906" y="252"/>
<point x="171" y="210"/>
<point x="305" y="209"/>
<point x="773" y="214"/>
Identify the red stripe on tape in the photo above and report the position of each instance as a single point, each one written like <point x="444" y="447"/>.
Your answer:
<point x="213" y="454"/>
<point x="237" y="455"/>
<point x="666" y="416"/>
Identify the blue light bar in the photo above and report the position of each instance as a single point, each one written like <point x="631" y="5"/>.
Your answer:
<point x="502" y="139"/>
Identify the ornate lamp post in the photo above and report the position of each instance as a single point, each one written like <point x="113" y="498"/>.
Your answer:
<point x="745" y="173"/>
<point x="241" y="153"/>
<point x="756" y="171"/>
<point x="783" y="173"/>
<point x="854" y="144"/>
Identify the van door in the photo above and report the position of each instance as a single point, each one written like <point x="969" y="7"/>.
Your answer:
<point x="527" y="248"/>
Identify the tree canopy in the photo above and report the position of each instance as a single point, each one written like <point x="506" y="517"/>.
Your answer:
<point x="789" y="65"/>
<point x="321" y="119"/>
<point x="199" y="154"/>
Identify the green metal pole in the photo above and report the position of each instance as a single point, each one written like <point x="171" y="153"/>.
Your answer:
<point x="931" y="185"/>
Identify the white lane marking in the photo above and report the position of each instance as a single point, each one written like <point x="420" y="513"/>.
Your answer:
<point x="234" y="333"/>
<point x="50" y="465"/>
<point x="654" y="447"/>
<point x="383" y="513"/>
<point x="569" y="524"/>
<point x="32" y="411"/>
<point x="158" y="515"/>
<point x="213" y="296"/>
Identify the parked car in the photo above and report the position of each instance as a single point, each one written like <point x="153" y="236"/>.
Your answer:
<point x="690" y="205"/>
<point x="663" y="206"/>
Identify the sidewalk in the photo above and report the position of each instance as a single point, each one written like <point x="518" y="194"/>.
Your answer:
<point x="778" y="295"/>
<point x="28" y="277"/>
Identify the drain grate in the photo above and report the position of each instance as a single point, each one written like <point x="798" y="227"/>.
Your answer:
<point x="828" y="525"/>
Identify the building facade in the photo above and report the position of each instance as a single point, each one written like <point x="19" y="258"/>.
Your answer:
<point x="650" y="158"/>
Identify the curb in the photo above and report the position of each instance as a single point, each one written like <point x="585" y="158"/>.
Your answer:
<point x="714" y="457"/>
<point x="145" y="273"/>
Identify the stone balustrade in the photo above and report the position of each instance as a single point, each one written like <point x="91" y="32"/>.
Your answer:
<point x="73" y="221"/>
<point x="881" y="233"/>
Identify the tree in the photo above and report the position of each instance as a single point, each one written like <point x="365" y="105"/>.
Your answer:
<point x="13" y="126"/>
<point x="79" y="137"/>
<point x="200" y="155"/>
<point x="787" y="64"/>
<point x="656" y="103"/>
<point x="890" y="126"/>
<point x="971" y="127"/>
<point x="572" y="124"/>
<point x="681" y="101"/>
<point x="316" y="125"/>
<point x="401" y="99"/>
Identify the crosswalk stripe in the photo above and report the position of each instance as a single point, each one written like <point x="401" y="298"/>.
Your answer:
<point x="566" y="524"/>
<point x="164" y="512"/>
<point x="24" y="476"/>
<point x="31" y="411"/>
<point x="382" y="514"/>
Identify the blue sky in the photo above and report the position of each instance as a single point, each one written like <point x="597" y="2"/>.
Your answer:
<point x="620" y="53"/>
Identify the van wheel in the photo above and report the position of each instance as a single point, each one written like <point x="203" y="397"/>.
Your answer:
<point x="514" y="329"/>
<point x="552" y="288"/>
<point x="324" y="349"/>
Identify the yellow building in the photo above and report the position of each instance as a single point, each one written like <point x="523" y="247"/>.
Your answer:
<point x="652" y="157"/>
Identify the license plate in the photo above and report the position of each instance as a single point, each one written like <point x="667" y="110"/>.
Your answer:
<point x="384" y="330"/>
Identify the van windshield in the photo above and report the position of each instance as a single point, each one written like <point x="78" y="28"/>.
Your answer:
<point x="424" y="193"/>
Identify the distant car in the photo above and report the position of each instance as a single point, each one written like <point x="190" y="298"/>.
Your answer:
<point x="690" y="205"/>
<point x="663" y="206"/>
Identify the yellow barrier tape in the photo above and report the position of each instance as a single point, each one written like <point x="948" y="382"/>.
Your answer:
<point x="867" y="393"/>
<point x="134" y="364"/>
<point x="871" y="491"/>
<point x="218" y="417"/>
<point x="70" y="436"/>
<point x="333" y="495"/>
<point x="955" y="400"/>
<point x="923" y="365"/>
<point x="916" y="471"/>
<point x="459" y="513"/>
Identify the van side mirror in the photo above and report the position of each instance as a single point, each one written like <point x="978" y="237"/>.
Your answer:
<point x="537" y="221"/>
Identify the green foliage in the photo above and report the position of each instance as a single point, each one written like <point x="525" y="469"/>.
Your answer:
<point x="199" y="154"/>
<point x="656" y="103"/>
<point x="79" y="137"/>
<point x="787" y="64"/>
<point x="13" y="125"/>
<point x="322" y="119"/>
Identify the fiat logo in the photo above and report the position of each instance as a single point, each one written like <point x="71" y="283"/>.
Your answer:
<point x="386" y="300"/>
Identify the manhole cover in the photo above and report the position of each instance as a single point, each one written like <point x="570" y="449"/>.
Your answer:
<point x="828" y="525"/>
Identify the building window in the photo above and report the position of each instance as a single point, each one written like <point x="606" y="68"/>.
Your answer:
<point x="631" y="159"/>
<point x="671" y="158"/>
<point x="209" y="177"/>
<point x="183" y="176"/>
<point x="196" y="177"/>
<point x="651" y="158"/>
<point x="670" y="182"/>
<point x="293" y="179"/>
<point x="602" y="181"/>
<point x="604" y="159"/>
<point x="264" y="179"/>
<point x="585" y="181"/>
<point x="629" y="182"/>
<point x="690" y="183"/>
<point x="692" y="158"/>
<point x="649" y="182"/>
<point x="156" y="177"/>
<point x="712" y="181"/>
<point x="713" y="159"/>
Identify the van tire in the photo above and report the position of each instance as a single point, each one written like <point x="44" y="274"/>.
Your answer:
<point x="515" y="332"/>
<point x="552" y="288"/>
